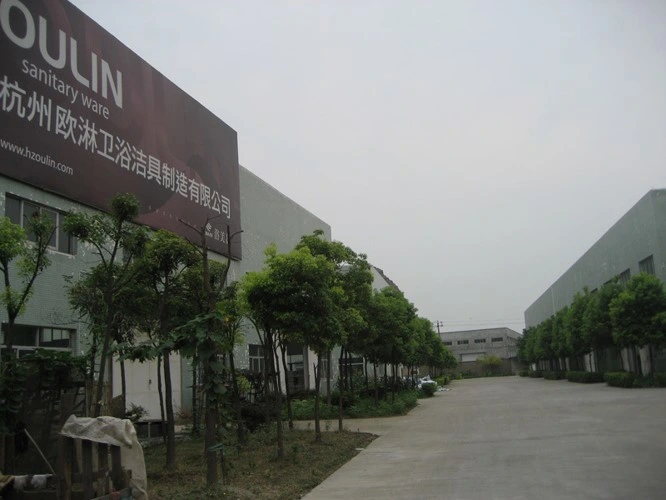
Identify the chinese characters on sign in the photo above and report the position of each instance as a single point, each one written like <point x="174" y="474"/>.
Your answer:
<point x="85" y="134"/>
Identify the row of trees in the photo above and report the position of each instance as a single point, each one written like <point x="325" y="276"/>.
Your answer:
<point x="320" y="295"/>
<point x="630" y="316"/>
<point x="150" y="295"/>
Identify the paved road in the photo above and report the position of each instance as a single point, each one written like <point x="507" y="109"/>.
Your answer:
<point x="513" y="438"/>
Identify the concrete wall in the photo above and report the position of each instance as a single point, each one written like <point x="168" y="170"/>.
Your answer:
<point x="641" y="232"/>
<point x="476" y="368"/>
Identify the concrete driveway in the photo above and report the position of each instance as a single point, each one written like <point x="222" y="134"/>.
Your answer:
<point x="513" y="438"/>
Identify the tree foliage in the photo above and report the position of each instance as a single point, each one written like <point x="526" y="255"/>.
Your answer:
<point x="629" y="316"/>
<point x="98" y="295"/>
<point x="29" y="260"/>
<point x="637" y="311"/>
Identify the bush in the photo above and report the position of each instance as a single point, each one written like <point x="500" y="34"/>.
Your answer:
<point x="535" y="373"/>
<point x="660" y="379"/>
<point x="629" y="380"/>
<point x="620" y="379"/>
<point x="443" y="380"/>
<point x="303" y="409"/>
<point x="524" y="373"/>
<point x="554" y="375"/>
<point x="585" y="377"/>
<point x="428" y="390"/>
<point x="402" y="403"/>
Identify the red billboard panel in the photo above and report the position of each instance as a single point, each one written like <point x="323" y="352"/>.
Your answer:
<point x="85" y="117"/>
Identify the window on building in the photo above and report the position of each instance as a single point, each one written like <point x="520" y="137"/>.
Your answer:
<point x="463" y="342"/>
<point x="256" y="358"/>
<point x="448" y="342"/>
<point x="497" y="339"/>
<point x="625" y="276"/>
<point x="479" y="341"/>
<point x="27" y="338"/>
<point x="19" y="212"/>
<point x="646" y="265"/>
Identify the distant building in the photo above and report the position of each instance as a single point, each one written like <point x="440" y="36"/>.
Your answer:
<point x="469" y="345"/>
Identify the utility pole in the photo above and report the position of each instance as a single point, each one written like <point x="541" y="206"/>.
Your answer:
<point x="438" y="323"/>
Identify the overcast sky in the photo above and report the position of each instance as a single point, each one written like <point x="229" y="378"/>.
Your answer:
<point x="474" y="150"/>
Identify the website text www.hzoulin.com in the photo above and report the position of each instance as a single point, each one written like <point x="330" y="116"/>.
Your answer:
<point x="34" y="156"/>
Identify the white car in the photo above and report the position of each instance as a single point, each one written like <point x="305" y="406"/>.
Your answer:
<point x="424" y="381"/>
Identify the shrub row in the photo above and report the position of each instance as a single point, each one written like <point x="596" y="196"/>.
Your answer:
<point x="554" y="374"/>
<point x="523" y="373"/>
<point x="629" y="380"/>
<point x="403" y="402"/>
<point x="585" y="377"/>
<point x="535" y="373"/>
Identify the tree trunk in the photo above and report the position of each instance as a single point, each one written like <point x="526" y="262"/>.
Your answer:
<point x="350" y="374"/>
<point x="374" y="368"/>
<point x="340" y="402"/>
<point x="160" y="393"/>
<point x="237" y="401"/>
<point x="170" y="420"/>
<point x="385" y="382"/>
<point x="316" y="408"/>
<point x="123" y="385"/>
<point x="268" y="380"/>
<point x="278" y="400"/>
<point x="329" y="357"/>
<point x="341" y="375"/>
<point x="99" y="392"/>
<point x="210" y="434"/>
<point x="283" y="355"/>
<point x="196" y="428"/>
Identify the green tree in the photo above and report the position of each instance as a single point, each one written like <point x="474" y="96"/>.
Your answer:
<point x="353" y="276"/>
<point x="29" y="259"/>
<point x="296" y="295"/>
<point x="490" y="362"/>
<point x="393" y="315"/>
<point x="576" y="341"/>
<point x="637" y="312"/>
<point x="205" y="346"/>
<point x="161" y="268"/>
<point x="116" y="241"/>
<point x="543" y="342"/>
<point x="559" y="347"/>
<point x="597" y="327"/>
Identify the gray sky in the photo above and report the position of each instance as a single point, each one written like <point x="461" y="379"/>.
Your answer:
<point x="472" y="149"/>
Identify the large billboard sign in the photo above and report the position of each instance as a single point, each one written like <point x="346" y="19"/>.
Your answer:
<point x="85" y="117"/>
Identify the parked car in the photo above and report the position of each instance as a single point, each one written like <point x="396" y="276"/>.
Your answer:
<point x="425" y="380"/>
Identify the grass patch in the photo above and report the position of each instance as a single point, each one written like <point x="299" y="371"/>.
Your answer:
<point x="255" y="472"/>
